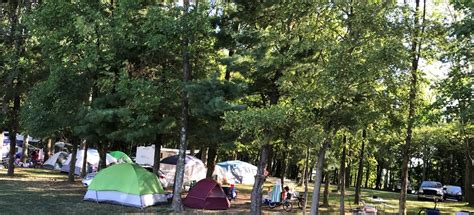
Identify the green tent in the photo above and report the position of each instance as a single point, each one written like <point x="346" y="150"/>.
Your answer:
<point x="126" y="184"/>
<point x="121" y="157"/>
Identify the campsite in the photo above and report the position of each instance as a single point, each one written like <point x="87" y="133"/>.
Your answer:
<point x="236" y="107"/>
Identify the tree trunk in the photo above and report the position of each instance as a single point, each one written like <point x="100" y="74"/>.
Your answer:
<point x="177" y="204"/>
<point x="191" y="149"/>
<point x="342" y="177"/>
<point x="2" y="137"/>
<point x="256" y="196"/>
<point x="425" y="161"/>
<point x="378" y="178"/>
<point x="283" y="169"/>
<point x="385" y="181"/>
<point x="306" y="166"/>
<point x="203" y="151"/>
<point x="326" y="190"/>
<point x="311" y="168"/>
<point x="283" y="160"/>
<point x="211" y="161"/>
<point x="270" y="160"/>
<point x="24" y="151"/>
<point x="367" y="175"/>
<point x="347" y="180"/>
<point x="360" y="170"/>
<point x="11" y="154"/>
<point x="157" y="155"/>
<point x="103" y="148"/>
<point x="72" y="164"/>
<point x="415" y="55"/>
<point x="319" y="175"/>
<point x="84" y="161"/>
<point x="47" y="151"/>
<point x="468" y="172"/>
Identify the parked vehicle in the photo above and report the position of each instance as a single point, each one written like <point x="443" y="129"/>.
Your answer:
<point x="431" y="190"/>
<point x="454" y="192"/>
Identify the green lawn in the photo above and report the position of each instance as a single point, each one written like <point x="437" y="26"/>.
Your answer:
<point x="40" y="191"/>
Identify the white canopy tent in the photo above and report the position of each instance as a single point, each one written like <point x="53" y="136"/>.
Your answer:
<point x="194" y="169"/>
<point x="235" y="172"/>
<point x="56" y="161"/>
<point x="92" y="159"/>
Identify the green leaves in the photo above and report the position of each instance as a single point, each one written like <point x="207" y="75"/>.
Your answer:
<point x="259" y="123"/>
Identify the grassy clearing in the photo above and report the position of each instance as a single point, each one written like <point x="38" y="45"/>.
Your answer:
<point x="40" y="191"/>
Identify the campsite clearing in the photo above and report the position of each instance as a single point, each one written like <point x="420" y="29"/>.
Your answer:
<point x="42" y="191"/>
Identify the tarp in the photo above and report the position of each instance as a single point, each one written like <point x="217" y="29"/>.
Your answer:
<point x="92" y="158"/>
<point x="56" y="161"/>
<point x="194" y="168"/>
<point x="235" y="172"/>
<point x="121" y="157"/>
<point x="207" y="194"/>
<point x="126" y="184"/>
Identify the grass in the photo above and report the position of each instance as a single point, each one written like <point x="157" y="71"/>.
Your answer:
<point x="41" y="191"/>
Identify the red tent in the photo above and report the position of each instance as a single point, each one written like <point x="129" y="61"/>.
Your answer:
<point x="207" y="194"/>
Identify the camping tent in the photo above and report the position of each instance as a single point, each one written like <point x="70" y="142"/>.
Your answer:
<point x="194" y="168"/>
<point x="121" y="157"/>
<point x="207" y="194"/>
<point x="56" y="161"/>
<point x="235" y="171"/>
<point x="126" y="184"/>
<point x="92" y="158"/>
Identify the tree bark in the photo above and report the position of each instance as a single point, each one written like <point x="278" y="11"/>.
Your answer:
<point x="191" y="149"/>
<point x="385" y="181"/>
<point x="283" y="160"/>
<point x="326" y="190"/>
<point x="360" y="170"/>
<point x="84" y="161"/>
<point x="347" y="181"/>
<point x="415" y="55"/>
<point x="342" y="178"/>
<point x="270" y="160"/>
<point x="283" y="169"/>
<point x="468" y="171"/>
<point x="103" y="148"/>
<point x="47" y="151"/>
<point x="378" y="178"/>
<point x="177" y="204"/>
<point x="24" y="151"/>
<point x="11" y="153"/>
<point x="211" y="161"/>
<point x="2" y="137"/>
<point x="72" y="164"/>
<point x="319" y="175"/>
<point x="203" y="151"/>
<point x="367" y="175"/>
<point x="256" y="196"/>
<point x="306" y="166"/>
<point x="157" y="155"/>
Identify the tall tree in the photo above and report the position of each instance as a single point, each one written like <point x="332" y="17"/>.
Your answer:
<point x="455" y="91"/>
<point x="416" y="42"/>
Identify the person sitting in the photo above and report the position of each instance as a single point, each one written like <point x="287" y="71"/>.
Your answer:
<point x="35" y="158"/>
<point x="286" y="195"/>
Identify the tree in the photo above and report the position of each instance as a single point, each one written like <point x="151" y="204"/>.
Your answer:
<point x="262" y="124"/>
<point x="416" y="42"/>
<point x="455" y="91"/>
